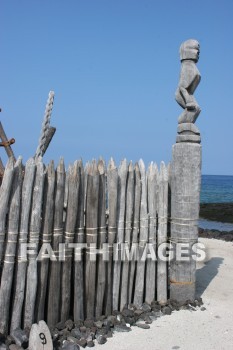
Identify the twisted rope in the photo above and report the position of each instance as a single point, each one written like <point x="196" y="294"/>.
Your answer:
<point x="45" y="125"/>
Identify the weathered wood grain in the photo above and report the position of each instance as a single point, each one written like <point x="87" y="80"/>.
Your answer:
<point x="136" y="227"/>
<point x="21" y="264"/>
<point x="70" y="225"/>
<point x="124" y="298"/>
<point x="162" y="233"/>
<point x="122" y="177"/>
<point x="152" y="178"/>
<point x="5" y="191"/>
<point x="11" y="243"/>
<point x="34" y="234"/>
<point x="143" y="239"/>
<point x="47" y="227"/>
<point x="54" y="289"/>
<point x="112" y="183"/>
<point x="92" y="199"/>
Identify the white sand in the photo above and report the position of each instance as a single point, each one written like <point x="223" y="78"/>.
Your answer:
<point x="193" y="330"/>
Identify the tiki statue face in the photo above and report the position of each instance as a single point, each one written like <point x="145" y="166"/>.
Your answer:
<point x="189" y="50"/>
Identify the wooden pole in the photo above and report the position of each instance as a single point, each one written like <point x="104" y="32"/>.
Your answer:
<point x="91" y="236"/>
<point x="71" y="217"/>
<point x="10" y="252"/>
<point x="79" y="265"/>
<point x="1" y="169"/>
<point x="21" y="265"/>
<point x="136" y="226"/>
<point x="8" y="149"/>
<point x="162" y="233"/>
<point x="152" y="204"/>
<point x="122" y="177"/>
<point x="43" y="265"/>
<point x="48" y="139"/>
<point x="4" y="200"/>
<point x="34" y="234"/>
<point x="101" y="264"/>
<point x="124" y="298"/>
<point x="143" y="239"/>
<point x="185" y="202"/>
<point x="54" y="290"/>
<point x="112" y="181"/>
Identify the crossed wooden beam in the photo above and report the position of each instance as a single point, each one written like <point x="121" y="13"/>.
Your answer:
<point x="7" y="145"/>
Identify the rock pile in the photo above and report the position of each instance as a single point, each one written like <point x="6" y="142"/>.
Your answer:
<point x="223" y="235"/>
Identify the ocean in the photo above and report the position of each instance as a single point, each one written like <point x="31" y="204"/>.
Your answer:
<point x="216" y="189"/>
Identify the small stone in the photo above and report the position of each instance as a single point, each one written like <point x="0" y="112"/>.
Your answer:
<point x="90" y="344"/>
<point x="20" y="337"/>
<point x="83" y="329"/>
<point x="112" y="320"/>
<point x="121" y="328"/>
<point x="99" y="324"/>
<point x="15" y="347"/>
<point x="127" y="313"/>
<point x="145" y="307"/>
<point x="166" y="310"/>
<point x="76" y="333"/>
<point x="203" y="308"/>
<point x="138" y="312"/>
<point x="101" y="339"/>
<point x="130" y="320"/>
<point x="82" y="342"/>
<point x="143" y="325"/>
<point x="109" y="334"/>
<point x="78" y="323"/>
<point x="88" y="323"/>
<point x="69" y="324"/>
<point x="60" y="326"/>
<point x="70" y="346"/>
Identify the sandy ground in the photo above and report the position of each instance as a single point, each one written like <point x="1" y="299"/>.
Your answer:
<point x="193" y="330"/>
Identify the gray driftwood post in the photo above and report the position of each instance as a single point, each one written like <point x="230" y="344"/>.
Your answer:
<point x="122" y="177"/>
<point x="152" y="179"/>
<point x="34" y="234"/>
<point x="54" y="290"/>
<point x="91" y="236"/>
<point x="79" y="264"/>
<point x="124" y="298"/>
<point x="135" y="233"/>
<point x="21" y="264"/>
<point x="4" y="199"/>
<point x="162" y="234"/>
<point x="101" y="264"/>
<point x="143" y="239"/>
<point x="186" y="175"/>
<point x="43" y="263"/>
<point x="10" y="252"/>
<point x="112" y="181"/>
<point x="71" y="217"/>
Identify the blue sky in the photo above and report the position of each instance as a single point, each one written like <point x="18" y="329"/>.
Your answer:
<point x="114" y="66"/>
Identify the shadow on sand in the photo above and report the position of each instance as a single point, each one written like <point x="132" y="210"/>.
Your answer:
<point x="205" y="275"/>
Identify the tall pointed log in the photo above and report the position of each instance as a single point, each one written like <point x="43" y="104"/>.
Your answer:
<point x="21" y="265"/>
<point x="54" y="290"/>
<point x="12" y="239"/>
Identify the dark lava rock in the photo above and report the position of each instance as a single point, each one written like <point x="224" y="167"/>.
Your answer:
<point x="78" y="323"/>
<point x="113" y="320"/>
<point x="88" y="323"/>
<point x="145" y="307"/>
<point x="143" y="325"/>
<point x="127" y="313"/>
<point x="82" y="342"/>
<point x="99" y="324"/>
<point x="203" y="308"/>
<point x="76" y="333"/>
<point x="70" y="346"/>
<point x="20" y="337"/>
<point x="90" y="344"/>
<point x="69" y="324"/>
<point x="101" y="339"/>
<point x="138" y="312"/>
<point x="130" y="320"/>
<point x="109" y="334"/>
<point x="60" y="326"/>
<point x="121" y="328"/>
<point x="166" y="310"/>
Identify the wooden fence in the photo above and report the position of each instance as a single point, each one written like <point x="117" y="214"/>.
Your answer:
<point x="44" y="206"/>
